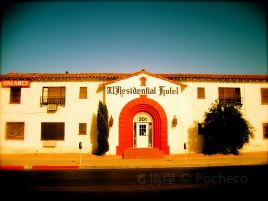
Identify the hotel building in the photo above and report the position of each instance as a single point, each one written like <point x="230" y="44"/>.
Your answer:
<point x="52" y="113"/>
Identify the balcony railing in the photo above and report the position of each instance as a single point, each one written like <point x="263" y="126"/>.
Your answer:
<point x="231" y="100"/>
<point x="59" y="100"/>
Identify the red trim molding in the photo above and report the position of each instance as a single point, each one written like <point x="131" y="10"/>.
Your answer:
<point x="155" y="110"/>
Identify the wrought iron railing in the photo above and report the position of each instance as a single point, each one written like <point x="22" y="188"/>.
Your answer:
<point x="59" y="100"/>
<point x="231" y="100"/>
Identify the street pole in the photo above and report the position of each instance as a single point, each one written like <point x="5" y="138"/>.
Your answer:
<point x="184" y="145"/>
<point x="80" y="157"/>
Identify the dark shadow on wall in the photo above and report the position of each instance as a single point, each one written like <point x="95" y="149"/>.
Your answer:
<point x="102" y="90"/>
<point x="195" y="141"/>
<point x="94" y="134"/>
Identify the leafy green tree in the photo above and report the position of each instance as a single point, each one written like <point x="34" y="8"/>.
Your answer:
<point x="103" y="129"/>
<point x="225" y="130"/>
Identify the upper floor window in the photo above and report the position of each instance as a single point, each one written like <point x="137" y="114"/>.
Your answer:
<point x="83" y="93"/>
<point x="264" y="96"/>
<point x="143" y="81"/>
<point x="200" y="92"/>
<point x="230" y="95"/>
<point x="265" y="130"/>
<point x="15" y="94"/>
<point x="15" y="130"/>
<point x="53" y="95"/>
<point x="52" y="130"/>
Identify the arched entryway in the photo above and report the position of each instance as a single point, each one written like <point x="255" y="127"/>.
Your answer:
<point x="159" y="118"/>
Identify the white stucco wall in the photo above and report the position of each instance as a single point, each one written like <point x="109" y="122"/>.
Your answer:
<point x="185" y="105"/>
<point x="252" y="109"/>
<point x="172" y="104"/>
<point x="29" y="111"/>
<point x="190" y="110"/>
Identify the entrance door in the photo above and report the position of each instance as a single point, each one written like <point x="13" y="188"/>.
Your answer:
<point x="142" y="136"/>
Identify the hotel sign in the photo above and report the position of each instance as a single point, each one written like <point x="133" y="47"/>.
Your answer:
<point x="15" y="83"/>
<point x="160" y="90"/>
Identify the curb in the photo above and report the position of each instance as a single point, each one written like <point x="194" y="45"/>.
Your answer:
<point x="38" y="167"/>
<point x="12" y="167"/>
<point x="44" y="167"/>
<point x="76" y="167"/>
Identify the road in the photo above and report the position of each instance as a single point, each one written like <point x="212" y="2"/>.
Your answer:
<point x="135" y="184"/>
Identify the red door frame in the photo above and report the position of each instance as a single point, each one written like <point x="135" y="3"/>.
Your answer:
<point x="155" y="110"/>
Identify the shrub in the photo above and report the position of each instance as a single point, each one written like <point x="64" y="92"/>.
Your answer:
<point x="225" y="130"/>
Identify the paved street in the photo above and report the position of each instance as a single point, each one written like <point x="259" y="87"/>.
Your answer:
<point x="133" y="184"/>
<point x="62" y="176"/>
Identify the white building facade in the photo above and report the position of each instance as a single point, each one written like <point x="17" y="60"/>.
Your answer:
<point x="52" y="113"/>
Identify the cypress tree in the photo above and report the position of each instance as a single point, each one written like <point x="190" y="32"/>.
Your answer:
<point x="103" y="129"/>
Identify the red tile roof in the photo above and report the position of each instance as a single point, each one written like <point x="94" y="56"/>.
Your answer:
<point x="144" y="72"/>
<point x="113" y="76"/>
<point x="216" y="76"/>
<point x="62" y="76"/>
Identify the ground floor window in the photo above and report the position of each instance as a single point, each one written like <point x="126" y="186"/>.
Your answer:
<point x="52" y="130"/>
<point x="201" y="128"/>
<point x="82" y="128"/>
<point x="15" y="130"/>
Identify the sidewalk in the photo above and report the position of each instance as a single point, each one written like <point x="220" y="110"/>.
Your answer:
<point x="89" y="161"/>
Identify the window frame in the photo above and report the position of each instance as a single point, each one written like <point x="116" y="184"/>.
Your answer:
<point x="20" y="138"/>
<point x="61" y="90"/>
<point x="44" y="135"/>
<point x="84" y="93"/>
<point x="11" y="97"/>
<point x="47" y="98"/>
<point x="200" y="92"/>
<point x="265" y="133"/>
<point x="80" y="129"/>
<point x="223" y="95"/>
<point x="143" y="81"/>
<point x="263" y="101"/>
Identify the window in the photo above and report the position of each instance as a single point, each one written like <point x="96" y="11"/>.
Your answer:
<point x="264" y="96"/>
<point x="52" y="130"/>
<point x="54" y="91"/>
<point x="229" y="95"/>
<point x="15" y="130"/>
<point x="15" y="94"/>
<point x="83" y="93"/>
<point x="143" y="81"/>
<point x="265" y="130"/>
<point x="142" y="130"/>
<point x="82" y="128"/>
<point x="53" y="95"/>
<point x="201" y="128"/>
<point x="200" y="92"/>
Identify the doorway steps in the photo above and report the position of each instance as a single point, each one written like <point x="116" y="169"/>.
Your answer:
<point x="136" y="153"/>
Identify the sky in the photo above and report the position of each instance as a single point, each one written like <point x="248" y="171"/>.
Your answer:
<point x="117" y="36"/>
